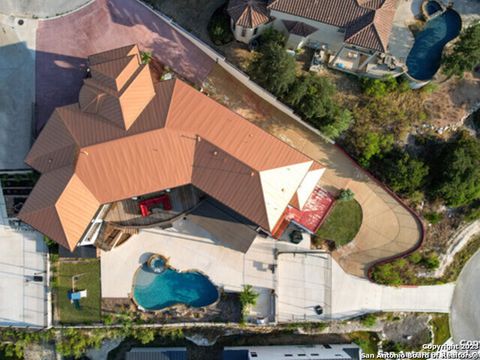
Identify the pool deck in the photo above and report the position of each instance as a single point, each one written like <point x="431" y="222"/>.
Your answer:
<point x="401" y="38"/>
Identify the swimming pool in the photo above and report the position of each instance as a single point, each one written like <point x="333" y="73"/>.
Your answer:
<point x="424" y="59"/>
<point x="155" y="291"/>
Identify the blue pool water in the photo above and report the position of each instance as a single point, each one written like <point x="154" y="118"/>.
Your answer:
<point x="155" y="291"/>
<point x="433" y="7"/>
<point x="424" y="59"/>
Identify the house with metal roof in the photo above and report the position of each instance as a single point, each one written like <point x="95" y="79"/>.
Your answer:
<point x="134" y="152"/>
<point x="349" y="35"/>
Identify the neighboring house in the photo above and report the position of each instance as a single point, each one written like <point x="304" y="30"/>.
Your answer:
<point x="349" y="35"/>
<point x="129" y="137"/>
<point x="277" y="352"/>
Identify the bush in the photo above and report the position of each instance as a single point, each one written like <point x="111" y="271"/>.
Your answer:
<point x="415" y="258"/>
<point x="433" y="217"/>
<point x="387" y="274"/>
<point x="430" y="261"/>
<point x="368" y="320"/>
<point x="144" y="335"/>
<point x="346" y="195"/>
<point x="379" y="88"/>
<point x="219" y="26"/>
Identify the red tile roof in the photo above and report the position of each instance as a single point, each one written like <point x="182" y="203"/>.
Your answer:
<point x="368" y="23"/>
<point x="248" y="13"/>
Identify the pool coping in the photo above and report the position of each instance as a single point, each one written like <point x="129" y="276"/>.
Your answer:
<point x="139" y="307"/>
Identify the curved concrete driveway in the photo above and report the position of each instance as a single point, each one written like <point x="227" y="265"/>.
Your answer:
<point x="388" y="229"/>
<point x="465" y="312"/>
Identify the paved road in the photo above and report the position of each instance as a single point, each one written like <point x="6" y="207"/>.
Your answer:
<point x="100" y="26"/>
<point x="39" y="8"/>
<point x="16" y="90"/>
<point x="465" y="312"/>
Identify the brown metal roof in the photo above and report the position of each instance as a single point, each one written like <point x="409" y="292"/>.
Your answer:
<point x="248" y="13"/>
<point x="367" y="23"/>
<point x="181" y="136"/>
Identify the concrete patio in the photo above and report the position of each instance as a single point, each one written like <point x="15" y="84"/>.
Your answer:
<point x="22" y="301"/>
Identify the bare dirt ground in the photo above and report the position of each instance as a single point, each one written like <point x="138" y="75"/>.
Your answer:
<point x="193" y="15"/>
<point x="453" y="100"/>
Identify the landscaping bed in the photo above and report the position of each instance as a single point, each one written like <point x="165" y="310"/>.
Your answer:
<point x="343" y="223"/>
<point x="227" y="309"/>
<point x="88" y="278"/>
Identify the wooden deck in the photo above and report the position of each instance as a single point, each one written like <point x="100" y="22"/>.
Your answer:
<point x="127" y="212"/>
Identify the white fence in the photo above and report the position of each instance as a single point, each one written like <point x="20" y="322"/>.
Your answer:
<point x="234" y="71"/>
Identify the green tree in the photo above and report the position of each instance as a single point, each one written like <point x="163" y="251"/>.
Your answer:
<point x="271" y="35"/>
<point x="273" y="68"/>
<point x="403" y="173"/>
<point x="312" y="97"/>
<point x="465" y="54"/>
<point x="458" y="173"/>
<point x="340" y="124"/>
<point x="373" y="144"/>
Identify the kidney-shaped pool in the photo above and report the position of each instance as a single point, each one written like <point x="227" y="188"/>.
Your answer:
<point x="424" y="59"/>
<point x="156" y="291"/>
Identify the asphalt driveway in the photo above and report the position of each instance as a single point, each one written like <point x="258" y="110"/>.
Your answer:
<point x="99" y="26"/>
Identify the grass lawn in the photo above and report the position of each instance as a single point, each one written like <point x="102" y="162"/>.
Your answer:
<point x="88" y="272"/>
<point x="368" y="341"/>
<point x="441" y="329"/>
<point x="342" y="223"/>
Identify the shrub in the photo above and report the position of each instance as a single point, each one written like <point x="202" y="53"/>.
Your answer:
<point x="346" y="195"/>
<point x="433" y="217"/>
<point x="368" y="320"/>
<point x="430" y="261"/>
<point x="415" y="258"/>
<point x="379" y="88"/>
<point x="144" y="335"/>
